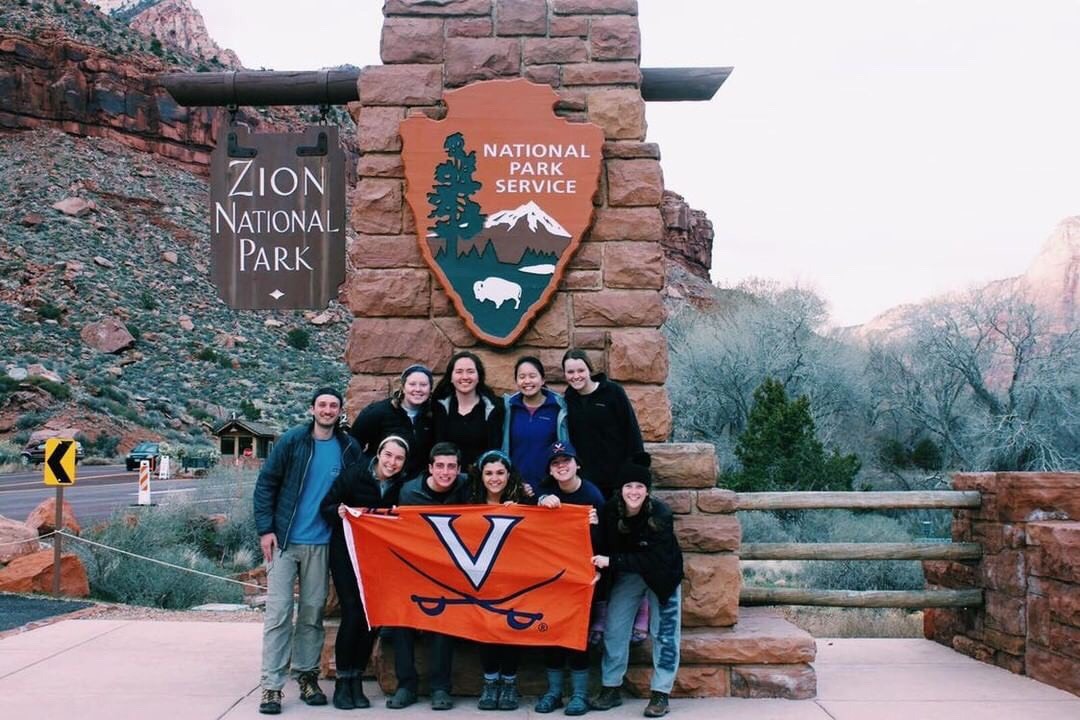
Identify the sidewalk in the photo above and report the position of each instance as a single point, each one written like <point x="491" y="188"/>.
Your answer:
<point x="120" y="669"/>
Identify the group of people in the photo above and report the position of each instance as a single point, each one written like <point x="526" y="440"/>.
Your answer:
<point x="456" y="442"/>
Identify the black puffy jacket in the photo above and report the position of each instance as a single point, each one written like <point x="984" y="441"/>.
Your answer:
<point x="650" y="551"/>
<point x="383" y="418"/>
<point x="277" y="490"/>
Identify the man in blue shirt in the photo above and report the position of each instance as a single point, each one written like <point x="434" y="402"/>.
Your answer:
<point x="295" y="540"/>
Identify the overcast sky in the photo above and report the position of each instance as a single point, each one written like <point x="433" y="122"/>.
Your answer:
<point x="877" y="151"/>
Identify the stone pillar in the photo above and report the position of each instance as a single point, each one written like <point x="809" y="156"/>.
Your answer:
<point x="1028" y="566"/>
<point x="609" y="301"/>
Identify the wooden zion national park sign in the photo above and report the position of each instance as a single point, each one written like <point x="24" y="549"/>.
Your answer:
<point x="502" y="194"/>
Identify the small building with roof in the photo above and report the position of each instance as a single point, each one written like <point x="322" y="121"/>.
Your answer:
<point x="241" y="439"/>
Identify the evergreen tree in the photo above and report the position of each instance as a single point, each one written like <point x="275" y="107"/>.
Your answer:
<point x="458" y="216"/>
<point x="779" y="449"/>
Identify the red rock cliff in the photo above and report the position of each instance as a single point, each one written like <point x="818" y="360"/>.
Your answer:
<point x="54" y="81"/>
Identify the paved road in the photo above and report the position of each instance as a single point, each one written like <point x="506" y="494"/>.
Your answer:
<point x="98" y="491"/>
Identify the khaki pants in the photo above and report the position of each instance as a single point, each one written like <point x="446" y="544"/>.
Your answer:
<point x="280" y="642"/>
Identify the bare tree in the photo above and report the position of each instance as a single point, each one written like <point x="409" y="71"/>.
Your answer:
<point x="720" y="358"/>
<point x="989" y="378"/>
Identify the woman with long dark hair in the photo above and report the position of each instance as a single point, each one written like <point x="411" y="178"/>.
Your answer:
<point x="374" y="484"/>
<point x="464" y="409"/>
<point x="535" y="418"/>
<point x="604" y="426"/>
<point x="496" y="482"/>
<point x="406" y="413"/>
<point x="639" y="549"/>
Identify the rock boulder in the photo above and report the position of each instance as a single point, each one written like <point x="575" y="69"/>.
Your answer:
<point x="34" y="573"/>
<point x="42" y="519"/>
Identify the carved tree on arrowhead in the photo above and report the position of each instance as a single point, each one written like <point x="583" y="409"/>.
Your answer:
<point x="458" y="216"/>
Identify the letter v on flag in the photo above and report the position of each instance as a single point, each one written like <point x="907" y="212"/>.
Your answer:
<point x="509" y="574"/>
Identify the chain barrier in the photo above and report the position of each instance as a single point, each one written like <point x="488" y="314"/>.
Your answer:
<point x="159" y="562"/>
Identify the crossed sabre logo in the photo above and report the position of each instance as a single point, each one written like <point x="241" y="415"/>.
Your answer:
<point x="476" y="567"/>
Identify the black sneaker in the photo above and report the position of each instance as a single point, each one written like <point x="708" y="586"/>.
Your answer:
<point x="271" y="702"/>
<point x="607" y="698"/>
<point x="310" y="692"/>
<point x="658" y="705"/>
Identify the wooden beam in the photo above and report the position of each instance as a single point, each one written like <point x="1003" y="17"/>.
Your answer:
<point x="901" y="500"/>
<point x="337" y="87"/>
<point x="263" y="87"/>
<point x="682" y="84"/>
<point x="914" y="599"/>
<point x="860" y="551"/>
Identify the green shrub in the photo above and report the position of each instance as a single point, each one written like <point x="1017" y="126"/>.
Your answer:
<point x="48" y="311"/>
<point x="31" y="419"/>
<point x="199" y="414"/>
<point x="298" y="338"/>
<point x="180" y="533"/>
<point x="927" y="455"/>
<point x="758" y="526"/>
<point x="57" y="390"/>
<point x="207" y="354"/>
<point x="9" y="453"/>
<point x="104" y="445"/>
<point x="148" y="300"/>
<point x="863" y="575"/>
<point x="249" y="410"/>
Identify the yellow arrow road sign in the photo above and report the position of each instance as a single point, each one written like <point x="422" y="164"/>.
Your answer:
<point x="59" y="461"/>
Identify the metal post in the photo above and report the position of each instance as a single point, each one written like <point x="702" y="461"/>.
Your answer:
<point x="58" y="540"/>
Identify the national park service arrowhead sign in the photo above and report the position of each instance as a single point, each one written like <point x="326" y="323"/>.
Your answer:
<point x="502" y="194"/>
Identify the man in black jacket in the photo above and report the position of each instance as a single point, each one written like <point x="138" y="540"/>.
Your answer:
<point x="294" y="539"/>
<point x="442" y="484"/>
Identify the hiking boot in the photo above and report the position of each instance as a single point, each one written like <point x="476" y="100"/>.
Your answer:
<point x="578" y="704"/>
<point x="441" y="700"/>
<point x="271" y="702"/>
<point x="489" y="696"/>
<point x="360" y="700"/>
<point x="310" y="692"/>
<point x="508" y="695"/>
<point x="607" y="698"/>
<point x="343" y="694"/>
<point x="403" y="698"/>
<point x="658" y="705"/>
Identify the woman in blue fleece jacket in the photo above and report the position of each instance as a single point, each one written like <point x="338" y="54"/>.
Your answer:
<point x="535" y="418"/>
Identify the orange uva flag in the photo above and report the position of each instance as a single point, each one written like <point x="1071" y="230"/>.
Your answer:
<point x="507" y="574"/>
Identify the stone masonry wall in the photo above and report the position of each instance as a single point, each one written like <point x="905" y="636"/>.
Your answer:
<point x="609" y="301"/>
<point x="1029" y="572"/>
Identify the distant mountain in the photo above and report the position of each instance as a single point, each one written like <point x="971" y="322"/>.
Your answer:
<point x="514" y="232"/>
<point x="175" y="23"/>
<point x="1051" y="282"/>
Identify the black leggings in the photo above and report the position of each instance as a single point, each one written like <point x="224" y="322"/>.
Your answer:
<point x="355" y="639"/>
<point x="499" y="659"/>
<point x="556" y="657"/>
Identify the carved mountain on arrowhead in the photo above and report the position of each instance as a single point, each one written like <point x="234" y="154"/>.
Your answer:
<point x="532" y="214"/>
<point x="512" y="233"/>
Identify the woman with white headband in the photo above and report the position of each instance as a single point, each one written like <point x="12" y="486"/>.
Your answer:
<point x="374" y="484"/>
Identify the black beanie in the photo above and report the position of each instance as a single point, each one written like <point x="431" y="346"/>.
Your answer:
<point x="327" y="391"/>
<point x="636" y="469"/>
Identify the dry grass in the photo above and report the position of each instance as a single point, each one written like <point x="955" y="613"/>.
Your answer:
<point x="856" y="622"/>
